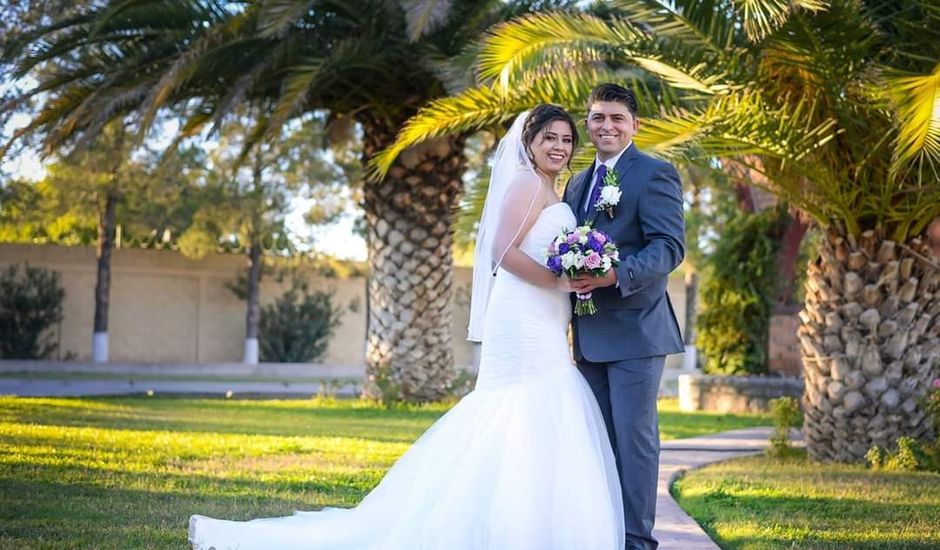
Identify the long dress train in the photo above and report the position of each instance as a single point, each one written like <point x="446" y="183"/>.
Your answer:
<point x="522" y="462"/>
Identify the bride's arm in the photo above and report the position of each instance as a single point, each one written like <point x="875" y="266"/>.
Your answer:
<point x="521" y="208"/>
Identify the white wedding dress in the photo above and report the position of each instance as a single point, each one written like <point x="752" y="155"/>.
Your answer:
<point x="522" y="462"/>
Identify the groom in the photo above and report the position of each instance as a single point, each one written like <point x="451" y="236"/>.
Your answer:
<point x="622" y="348"/>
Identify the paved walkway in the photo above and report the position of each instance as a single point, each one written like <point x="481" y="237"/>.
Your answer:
<point x="38" y="387"/>
<point x="675" y="529"/>
<point x="271" y="380"/>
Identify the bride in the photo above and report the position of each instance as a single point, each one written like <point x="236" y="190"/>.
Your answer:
<point x="523" y="461"/>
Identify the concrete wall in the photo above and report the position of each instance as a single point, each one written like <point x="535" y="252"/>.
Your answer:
<point x="734" y="394"/>
<point x="783" y="350"/>
<point x="166" y="308"/>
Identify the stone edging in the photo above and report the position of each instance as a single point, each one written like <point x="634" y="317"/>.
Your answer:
<point x="734" y="394"/>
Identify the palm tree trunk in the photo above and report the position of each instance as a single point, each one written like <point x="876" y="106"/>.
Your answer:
<point x="869" y="335"/>
<point x="99" y="347"/>
<point x="409" y="216"/>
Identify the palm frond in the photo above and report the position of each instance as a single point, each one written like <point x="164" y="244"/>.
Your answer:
<point x="425" y="16"/>
<point x="295" y="89"/>
<point x="553" y="42"/>
<point x="763" y="17"/>
<point x="695" y="78"/>
<point x="486" y="106"/>
<point x="917" y="100"/>
<point x="693" y="23"/>
<point x="516" y="46"/>
<point x="187" y="64"/>
<point x="275" y="17"/>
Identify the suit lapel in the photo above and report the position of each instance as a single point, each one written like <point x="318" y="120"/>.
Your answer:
<point x="624" y="164"/>
<point x="578" y="186"/>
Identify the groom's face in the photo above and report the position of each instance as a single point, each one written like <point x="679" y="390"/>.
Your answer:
<point x="610" y="126"/>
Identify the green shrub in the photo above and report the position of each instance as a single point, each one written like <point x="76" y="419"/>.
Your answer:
<point x="30" y="304"/>
<point x="876" y="457"/>
<point x="911" y="455"/>
<point x="389" y="390"/>
<point x="786" y="414"/>
<point x="932" y="406"/>
<point x="737" y="290"/>
<point x="297" y="327"/>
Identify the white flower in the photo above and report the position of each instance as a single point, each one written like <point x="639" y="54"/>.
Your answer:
<point x="567" y="260"/>
<point x="610" y="195"/>
<point x="605" y="263"/>
<point x="578" y="260"/>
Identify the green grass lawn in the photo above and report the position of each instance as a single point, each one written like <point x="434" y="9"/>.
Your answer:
<point x="761" y="503"/>
<point x="128" y="472"/>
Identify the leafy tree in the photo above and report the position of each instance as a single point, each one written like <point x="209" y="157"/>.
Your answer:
<point x="737" y="294"/>
<point x="244" y="203"/>
<point x="87" y="195"/>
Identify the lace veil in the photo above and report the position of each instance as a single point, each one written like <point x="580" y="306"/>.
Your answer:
<point x="513" y="190"/>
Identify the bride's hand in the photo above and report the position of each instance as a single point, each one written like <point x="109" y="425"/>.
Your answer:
<point x="563" y="284"/>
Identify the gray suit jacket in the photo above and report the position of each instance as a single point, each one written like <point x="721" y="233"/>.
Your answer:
<point x="635" y="319"/>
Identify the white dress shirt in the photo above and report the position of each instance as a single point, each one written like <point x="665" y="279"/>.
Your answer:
<point x="610" y="164"/>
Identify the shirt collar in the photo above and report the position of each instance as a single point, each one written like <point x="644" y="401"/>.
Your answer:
<point x="612" y="161"/>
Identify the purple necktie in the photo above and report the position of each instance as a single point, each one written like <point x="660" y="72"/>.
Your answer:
<point x="598" y="184"/>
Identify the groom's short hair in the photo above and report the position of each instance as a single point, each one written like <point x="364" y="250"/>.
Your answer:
<point x="613" y="92"/>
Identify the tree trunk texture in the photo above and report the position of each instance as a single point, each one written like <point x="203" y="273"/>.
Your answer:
<point x="409" y="216"/>
<point x="870" y="339"/>
<point x="253" y="313"/>
<point x="103" y="254"/>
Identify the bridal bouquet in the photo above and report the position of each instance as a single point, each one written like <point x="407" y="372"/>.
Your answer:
<point x="583" y="250"/>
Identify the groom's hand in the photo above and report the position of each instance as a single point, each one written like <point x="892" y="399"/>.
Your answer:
<point x="587" y="283"/>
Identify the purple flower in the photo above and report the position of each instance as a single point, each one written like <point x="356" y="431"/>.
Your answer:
<point x="563" y="248"/>
<point x="599" y="236"/>
<point x="573" y="237"/>
<point x="554" y="263"/>
<point x="595" y="244"/>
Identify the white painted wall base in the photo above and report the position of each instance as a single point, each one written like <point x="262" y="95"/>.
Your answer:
<point x="690" y="359"/>
<point x="99" y="347"/>
<point x="251" y="351"/>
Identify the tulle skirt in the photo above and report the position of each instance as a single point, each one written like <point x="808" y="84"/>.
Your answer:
<point x="522" y="462"/>
<point x="520" y="466"/>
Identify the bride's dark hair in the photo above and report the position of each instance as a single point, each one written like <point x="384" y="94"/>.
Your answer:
<point x="540" y="117"/>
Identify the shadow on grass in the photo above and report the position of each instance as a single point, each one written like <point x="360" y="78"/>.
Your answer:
<point x="43" y="513"/>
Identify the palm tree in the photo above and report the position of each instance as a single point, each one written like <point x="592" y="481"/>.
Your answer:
<point x="371" y="62"/>
<point x="835" y="103"/>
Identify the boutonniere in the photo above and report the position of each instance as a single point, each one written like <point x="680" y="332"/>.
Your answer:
<point x="610" y="193"/>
